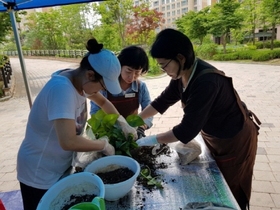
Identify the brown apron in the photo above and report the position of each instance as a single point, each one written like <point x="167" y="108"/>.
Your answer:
<point x="236" y="156"/>
<point x="127" y="104"/>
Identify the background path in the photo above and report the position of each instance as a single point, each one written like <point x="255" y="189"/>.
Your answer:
<point x="258" y="86"/>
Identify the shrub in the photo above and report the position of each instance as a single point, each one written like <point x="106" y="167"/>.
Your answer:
<point x="261" y="55"/>
<point x="225" y="57"/>
<point x="275" y="53"/>
<point x="267" y="44"/>
<point x="245" y="54"/>
<point x="206" y="51"/>
<point x="153" y="67"/>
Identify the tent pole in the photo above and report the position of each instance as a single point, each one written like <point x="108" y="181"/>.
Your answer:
<point x="21" y="59"/>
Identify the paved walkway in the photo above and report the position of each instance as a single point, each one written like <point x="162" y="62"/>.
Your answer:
<point x="257" y="85"/>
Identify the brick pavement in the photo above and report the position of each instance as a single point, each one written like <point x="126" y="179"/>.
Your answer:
<point x="258" y="85"/>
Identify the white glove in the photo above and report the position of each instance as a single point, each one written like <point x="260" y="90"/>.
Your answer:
<point x="108" y="149"/>
<point x="147" y="141"/>
<point x="126" y="128"/>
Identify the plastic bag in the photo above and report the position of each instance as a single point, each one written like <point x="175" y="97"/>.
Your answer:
<point x="188" y="152"/>
<point x="82" y="159"/>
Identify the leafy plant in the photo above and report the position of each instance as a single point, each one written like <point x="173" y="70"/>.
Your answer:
<point x="103" y="124"/>
<point x="152" y="181"/>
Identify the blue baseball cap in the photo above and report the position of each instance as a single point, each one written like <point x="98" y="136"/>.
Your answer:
<point x="108" y="66"/>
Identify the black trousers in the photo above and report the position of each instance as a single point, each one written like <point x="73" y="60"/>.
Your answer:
<point x="31" y="196"/>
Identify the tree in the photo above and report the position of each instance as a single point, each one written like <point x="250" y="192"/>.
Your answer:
<point x="224" y="18"/>
<point x="45" y="30"/>
<point x="5" y="26"/>
<point x="116" y="14"/>
<point x="195" y="24"/>
<point x="250" y="11"/>
<point x="79" y="31"/>
<point x="271" y="11"/>
<point x="143" y="23"/>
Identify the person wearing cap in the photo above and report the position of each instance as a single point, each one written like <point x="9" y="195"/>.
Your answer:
<point x="134" y="63"/>
<point x="211" y="107"/>
<point x="58" y="117"/>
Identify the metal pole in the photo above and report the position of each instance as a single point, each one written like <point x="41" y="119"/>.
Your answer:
<point x="21" y="59"/>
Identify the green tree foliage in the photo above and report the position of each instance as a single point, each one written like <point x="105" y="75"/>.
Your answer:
<point x="195" y="24"/>
<point x="224" y="18"/>
<point x="45" y="30"/>
<point x="115" y="14"/>
<point x="271" y="13"/>
<point x="143" y="23"/>
<point x="250" y="11"/>
<point x="66" y="27"/>
<point x="5" y="26"/>
<point x="79" y="29"/>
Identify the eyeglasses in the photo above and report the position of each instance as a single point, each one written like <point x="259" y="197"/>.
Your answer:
<point x="163" y="67"/>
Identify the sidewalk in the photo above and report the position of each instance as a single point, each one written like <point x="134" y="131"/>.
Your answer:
<point x="258" y="86"/>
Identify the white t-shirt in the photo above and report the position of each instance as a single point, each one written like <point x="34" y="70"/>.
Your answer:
<point x="41" y="161"/>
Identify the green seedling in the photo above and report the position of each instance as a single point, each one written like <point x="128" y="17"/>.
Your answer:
<point x="152" y="181"/>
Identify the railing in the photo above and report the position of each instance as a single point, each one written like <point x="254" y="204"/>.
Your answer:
<point x="58" y="53"/>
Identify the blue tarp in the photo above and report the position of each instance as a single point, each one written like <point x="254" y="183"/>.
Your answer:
<point x="31" y="4"/>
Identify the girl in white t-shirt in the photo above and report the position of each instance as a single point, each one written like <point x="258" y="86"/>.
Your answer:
<point x="58" y="117"/>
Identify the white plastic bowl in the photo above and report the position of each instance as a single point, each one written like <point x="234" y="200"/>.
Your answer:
<point x="116" y="191"/>
<point x="75" y="184"/>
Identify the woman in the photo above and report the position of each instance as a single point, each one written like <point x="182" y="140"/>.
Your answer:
<point x="58" y="117"/>
<point x="134" y="62"/>
<point x="211" y="106"/>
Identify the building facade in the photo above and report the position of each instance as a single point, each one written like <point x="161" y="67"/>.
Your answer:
<point x="173" y="9"/>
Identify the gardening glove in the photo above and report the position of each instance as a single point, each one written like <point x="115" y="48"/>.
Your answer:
<point x="126" y="128"/>
<point x="147" y="141"/>
<point x="141" y="132"/>
<point x="108" y="149"/>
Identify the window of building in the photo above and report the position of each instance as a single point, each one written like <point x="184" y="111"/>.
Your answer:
<point x="168" y="14"/>
<point x="155" y="3"/>
<point x="178" y="12"/>
<point x="195" y="8"/>
<point x="162" y="8"/>
<point x="184" y="3"/>
<point x="178" y="4"/>
<point x="173" y="12"/>
<point x="173" y="6"/>
<point x="184" y="10"/>
<point x="195" y="2"/>
<point x="168" y="7"/>
<point x="162" y="1"/>
<point x="167" y="1"/>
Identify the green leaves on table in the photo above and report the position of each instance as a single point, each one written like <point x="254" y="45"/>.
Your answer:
<point x="154" y="181"/>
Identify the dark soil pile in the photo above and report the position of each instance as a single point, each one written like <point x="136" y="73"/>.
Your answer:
<point x="75" y="199"/>
<point x="116" y="176"/>
<point x="145" y="157"/>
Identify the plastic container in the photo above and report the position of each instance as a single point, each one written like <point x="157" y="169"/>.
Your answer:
<point x="75" y="184"/>
<point x="116" y="191"/>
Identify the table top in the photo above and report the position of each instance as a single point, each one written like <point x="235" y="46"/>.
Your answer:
<point x="198" y="182"/>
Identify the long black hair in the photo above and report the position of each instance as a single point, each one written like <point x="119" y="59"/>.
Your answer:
<point x="169" y="43"/>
